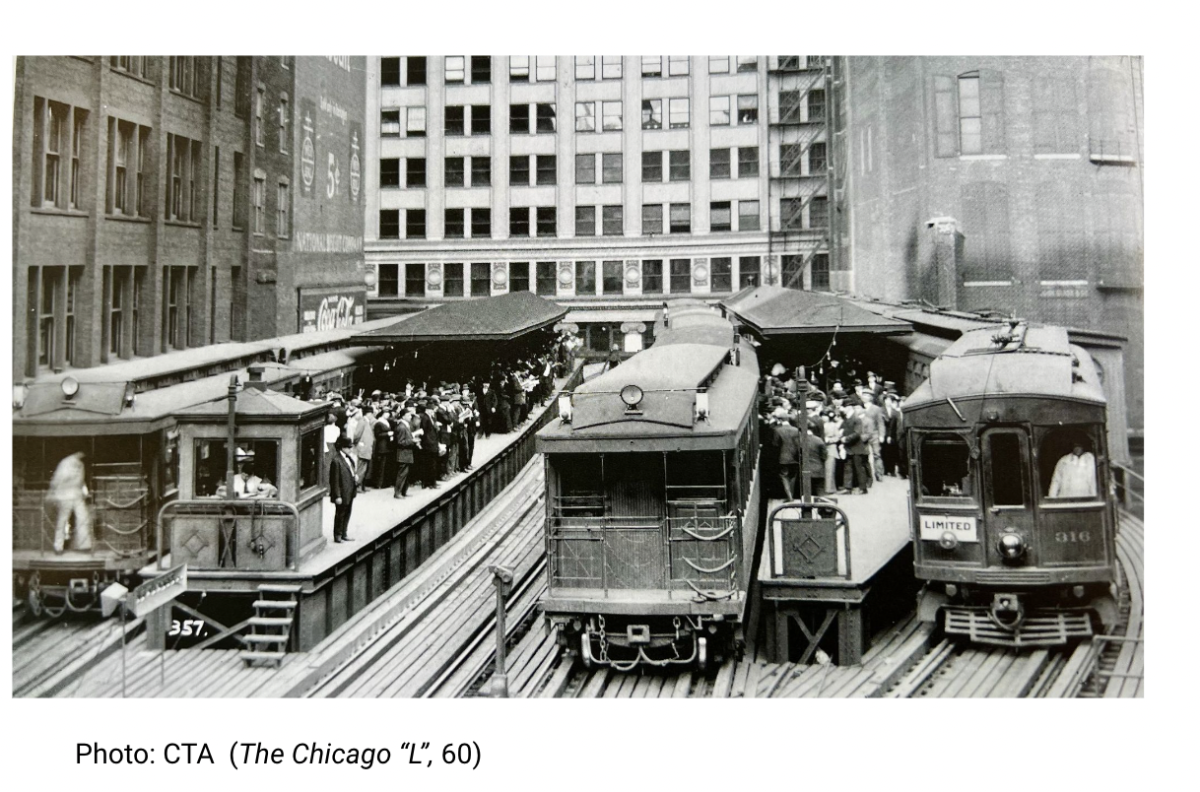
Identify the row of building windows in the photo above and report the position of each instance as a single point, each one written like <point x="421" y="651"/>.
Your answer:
<point x="477" y="69"/>
<point x="655" y="276"/>
<point x="600" y="116"/>
<point x="55" y="292"/>
<point x="542" y="118"/>
<point x="542" y="221"/>
<point x="59" y="173"/>
<point x="542" y="169"/>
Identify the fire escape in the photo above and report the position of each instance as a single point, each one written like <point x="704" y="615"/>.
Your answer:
<point x="800" y="164"/>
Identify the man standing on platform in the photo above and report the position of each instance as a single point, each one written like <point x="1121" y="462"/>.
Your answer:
<point x="487" y="409"/>
<point x="786" y="441"/>
<point x="342" y="488"/>
<point x="876" y="426"/>
<point x="429" y="447"/>
<point x="405" y="444"/>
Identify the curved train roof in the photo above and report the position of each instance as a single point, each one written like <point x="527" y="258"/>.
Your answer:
<point x="999" y="360"/>
<point x="689" y="355"/>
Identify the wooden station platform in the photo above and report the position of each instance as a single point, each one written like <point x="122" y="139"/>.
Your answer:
<point x="392" y="538"/>
<point x="810" y="580"/>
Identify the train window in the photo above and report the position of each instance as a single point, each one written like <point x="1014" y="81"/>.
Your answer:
<point x="256" y="463"/>
<point x="945" y="465"/>
<point x="1067" y="463"/>
<point x="310" y="459"/>
<point x="1006" y="469"/>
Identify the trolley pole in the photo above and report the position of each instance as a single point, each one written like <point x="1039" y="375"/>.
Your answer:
<point x="802" y="393"/>
<point x="229" y="443"/>
<point x="502" y="578"/>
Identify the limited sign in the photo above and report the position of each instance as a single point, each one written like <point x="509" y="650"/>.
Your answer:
<point x="933" y="527"/>
<point x="157" y="591"/>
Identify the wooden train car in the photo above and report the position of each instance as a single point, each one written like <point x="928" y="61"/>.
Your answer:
<point x="652" y="508"/>
<point x="1013" y="523"/>
<point x="120" y="418"/>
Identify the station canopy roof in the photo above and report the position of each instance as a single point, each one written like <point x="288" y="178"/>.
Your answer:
<point x="501" y="318"/>
<point x="778" y="311"/>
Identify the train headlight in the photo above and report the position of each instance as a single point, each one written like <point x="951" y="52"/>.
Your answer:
<point x="951" y="590"/>
<point x="70" y="386"/>
<point x="632" y="396"/>
<point x="1012" y="546"/>
<point x="948" y="541"/>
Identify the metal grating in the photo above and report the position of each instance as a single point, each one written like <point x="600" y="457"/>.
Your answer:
<point x="1042" y="630"/>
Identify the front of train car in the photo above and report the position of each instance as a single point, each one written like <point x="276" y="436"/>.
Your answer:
<point x="652" y="500"/>
<point x="1013" y="522"/>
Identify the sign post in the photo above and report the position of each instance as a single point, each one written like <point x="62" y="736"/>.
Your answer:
<point x="147" y="598"/>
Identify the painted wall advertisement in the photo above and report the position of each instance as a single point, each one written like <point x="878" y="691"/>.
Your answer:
<point x="329" y="309"/>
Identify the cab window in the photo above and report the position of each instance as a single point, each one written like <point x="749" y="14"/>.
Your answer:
<point x="256" y="469"/>
<point x="1067" y="464"/>
<point x="944" y="461"/>
<point x="1006" y="469"/>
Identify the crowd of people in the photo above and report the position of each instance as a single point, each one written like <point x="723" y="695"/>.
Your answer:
<point x="421" y="433"/>
<point x="851" y="438"/>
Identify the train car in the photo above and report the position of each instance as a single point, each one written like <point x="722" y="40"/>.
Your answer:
<point x="1013" y="523"/>
<point x="652" y="499"/>
<point x="116" y="422"/>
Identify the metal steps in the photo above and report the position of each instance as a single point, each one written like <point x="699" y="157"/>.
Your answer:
<point x="271" y="626"/>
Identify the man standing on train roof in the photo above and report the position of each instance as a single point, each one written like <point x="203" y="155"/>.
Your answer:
<point x="68" y="496"/>
<point x="1074" y="475"/>
<point x="342" y="488"/>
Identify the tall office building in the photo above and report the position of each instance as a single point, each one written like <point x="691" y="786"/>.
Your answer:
<point x="1011" y="184"/>
<point x="598" y="181"/>
<point x="165" y="203"/>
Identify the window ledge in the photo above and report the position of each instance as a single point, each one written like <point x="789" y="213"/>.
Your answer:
<point x="1112" y="159"/>
<point x="977" y="284"/>
<point x="124" y="218"/>
<point x="54" y="210"/>
<point x="969" y="157"/>
<point x="182" y="95"/>
<point x="183" y="223"/>
<point x="131" y="76"/>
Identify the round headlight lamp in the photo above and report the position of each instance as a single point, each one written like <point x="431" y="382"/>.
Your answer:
<point x="1012" y="546"/>
<point x="632" y="396"/>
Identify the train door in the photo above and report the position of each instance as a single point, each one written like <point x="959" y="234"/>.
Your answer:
<point x="1007" y="496"/>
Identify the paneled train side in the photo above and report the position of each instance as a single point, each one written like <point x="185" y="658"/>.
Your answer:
<point x="653" y="499"/>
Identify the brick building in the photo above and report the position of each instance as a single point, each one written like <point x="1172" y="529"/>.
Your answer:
<point x="1005" y="183"/>
<point x="599" y="181"/>
<point x="165" y="203"/>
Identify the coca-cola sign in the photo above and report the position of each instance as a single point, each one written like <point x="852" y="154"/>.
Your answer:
<point x="331" y="310"/>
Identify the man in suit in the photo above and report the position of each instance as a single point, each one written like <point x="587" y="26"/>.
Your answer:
<point x="487" y="409"/>
<point x="405" y="444"/>
<point x="429" y="447"/>
<point x="857" y="448"/>
<point x="786" y="441"/>
<point x="342" y="487"/>
<point x="876" y="425"/>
